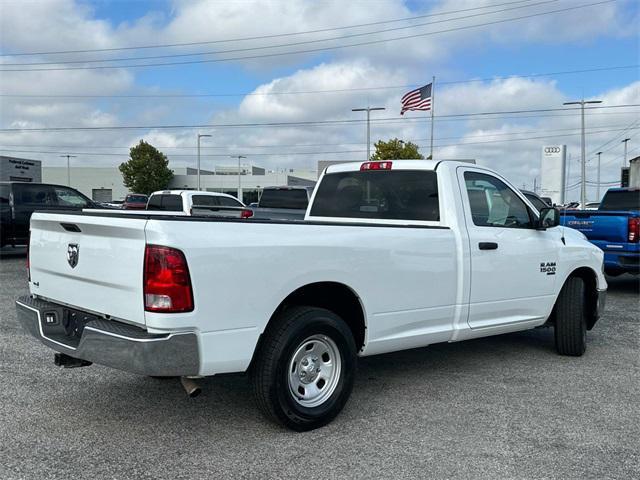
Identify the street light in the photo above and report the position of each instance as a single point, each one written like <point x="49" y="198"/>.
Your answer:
<point x="583" y="189"/>
<point x="598" y="190"/>
<point x="368" y="110"/>
<point x="624" y="161"/>
<point x="68" y="168"/>
<point x="200" y="135"/>
<point x="239" y="157"/>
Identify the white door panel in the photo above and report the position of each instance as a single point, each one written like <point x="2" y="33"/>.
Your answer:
<point x="514" y="281"/>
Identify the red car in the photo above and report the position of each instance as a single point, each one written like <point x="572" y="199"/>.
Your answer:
<point x="135" y="201"/>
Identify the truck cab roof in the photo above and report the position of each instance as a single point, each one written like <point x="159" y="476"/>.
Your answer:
<point x="396" y="165"/>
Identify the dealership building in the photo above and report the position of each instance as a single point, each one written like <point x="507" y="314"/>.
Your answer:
<point x="14" y="169"/>
<point x="104" y="184"/>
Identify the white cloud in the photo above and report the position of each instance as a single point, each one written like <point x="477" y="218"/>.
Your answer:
<point x="68" y="24"/>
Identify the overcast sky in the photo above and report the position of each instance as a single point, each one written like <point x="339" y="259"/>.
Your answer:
<point x="487" y="55"/>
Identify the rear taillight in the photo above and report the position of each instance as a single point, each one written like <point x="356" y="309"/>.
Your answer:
<point x="28" y="261"/>
<point x="376" y="166"/>
<point x="246" y="213"/>
<point x="167" y="285"/>
<point x="634" y="229"/>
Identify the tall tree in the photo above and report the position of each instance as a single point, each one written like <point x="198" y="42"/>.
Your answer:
<point x="147" y="169"/>
<point x="396" y="149"/>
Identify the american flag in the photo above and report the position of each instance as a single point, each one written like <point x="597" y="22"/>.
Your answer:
<point x="418" y="99"/>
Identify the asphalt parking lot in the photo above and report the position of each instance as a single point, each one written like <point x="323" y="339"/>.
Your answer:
<point x="502" y="407"/>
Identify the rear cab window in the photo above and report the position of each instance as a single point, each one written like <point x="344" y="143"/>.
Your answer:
<point x="398" y="195"/>
<point x="287" y="198"/>
<point x="4" y="194"/>
<point x="623" y="200"/>
<point x="34" y="195"/>
<point x="165" y="202"/>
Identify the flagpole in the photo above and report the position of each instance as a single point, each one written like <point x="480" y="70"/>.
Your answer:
<point x="433" y="98"/>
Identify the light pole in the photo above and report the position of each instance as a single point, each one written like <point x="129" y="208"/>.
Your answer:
<point x="200" y="135"/>
<point x="368" y="110"/>
<point x="624" y="161"/>
<point x="583" y="186"/>
<point x="598" y="190"/>
<point x="68" y="168"/>
<point x="239" y="157"/>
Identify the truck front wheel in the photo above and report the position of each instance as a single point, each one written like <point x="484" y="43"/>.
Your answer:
<point x="570" y="326"/>
<point x="304" y="369"/>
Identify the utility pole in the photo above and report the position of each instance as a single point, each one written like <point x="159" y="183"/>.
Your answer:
<point x="200" y="135"/>
<point x="433" y="98"/>
<point x="239" y="157"/>
<point x="583" y="186"/>
<point x="624" y="161"/>
<point x="598" y="190"/>
<point x="68" y="168"/>
<point x="368" y="110"/>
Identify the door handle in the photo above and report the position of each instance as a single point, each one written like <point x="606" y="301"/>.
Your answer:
<point x="488" y="246"/>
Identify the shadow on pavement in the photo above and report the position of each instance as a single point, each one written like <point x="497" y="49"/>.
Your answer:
<point x="13" y="252"/>
<point x="624" y="283"/>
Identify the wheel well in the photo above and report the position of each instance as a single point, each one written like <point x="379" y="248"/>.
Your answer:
<point x="333" y="296"/>
<point x="589" y="278"/>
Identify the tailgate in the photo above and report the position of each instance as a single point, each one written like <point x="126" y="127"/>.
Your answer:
<point x="93" y="263"/>
<point x="596" y="225"/>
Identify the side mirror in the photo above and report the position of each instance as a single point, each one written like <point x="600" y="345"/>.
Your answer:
<point x="549" y="218"/>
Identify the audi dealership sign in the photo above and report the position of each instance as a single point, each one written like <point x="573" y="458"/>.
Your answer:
<point x="552" y="180"/>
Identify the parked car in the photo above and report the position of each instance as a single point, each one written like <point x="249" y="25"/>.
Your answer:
<point x="114" y="204"/>
<point x="391" y="255"/>
<point x="286" y="203"/>
<point x="193" y="202"/>
<point x="592" y="206"/>
<point x="18" y="200"/>
<point x="135" y="201"/>
<point x="614" y="227"/>
<point x="536" y="200"/>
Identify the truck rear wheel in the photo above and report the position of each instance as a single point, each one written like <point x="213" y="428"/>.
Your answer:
<point x="304" y="369"/>
<point x="571" y="327"/>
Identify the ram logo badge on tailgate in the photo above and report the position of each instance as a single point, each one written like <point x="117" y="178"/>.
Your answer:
<point x="73" y="254"/>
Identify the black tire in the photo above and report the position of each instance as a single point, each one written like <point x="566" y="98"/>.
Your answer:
<point x="571" y="326"/>
<point x="270" y="369"/>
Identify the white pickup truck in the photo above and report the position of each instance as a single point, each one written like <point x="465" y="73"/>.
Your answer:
<point x="391" y="255"/>
<point x="197" y="203"/>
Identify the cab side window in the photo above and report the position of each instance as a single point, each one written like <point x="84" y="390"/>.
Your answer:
<point x="205" y="200"/>
<point x="494" y="204"/>
<point x="229" y="202"/>
<point x="70" y="198"/>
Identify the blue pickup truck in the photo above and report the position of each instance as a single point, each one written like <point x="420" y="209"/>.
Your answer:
<point x="614" y="228"/>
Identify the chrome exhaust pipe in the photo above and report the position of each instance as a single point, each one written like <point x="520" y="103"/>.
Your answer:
<point x="190" y="387"/>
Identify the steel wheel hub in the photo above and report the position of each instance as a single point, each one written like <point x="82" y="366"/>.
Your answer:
<point x="314" y="370"/>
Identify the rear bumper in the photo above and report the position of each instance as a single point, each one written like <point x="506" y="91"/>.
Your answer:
<point x="107" y="342"/>
<point x="616" y="263"/>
